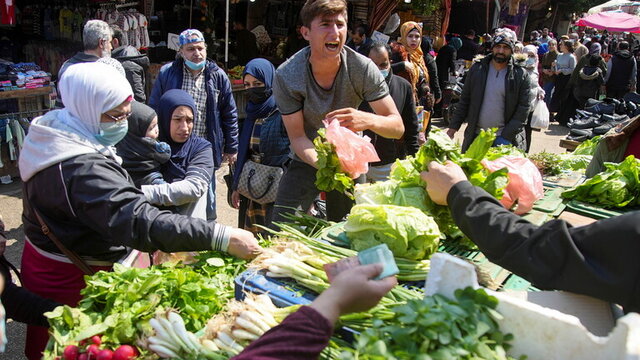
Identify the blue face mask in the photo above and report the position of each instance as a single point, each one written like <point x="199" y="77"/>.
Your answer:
<point x="195" y="66"/>
<point x="385" y="73"/>
<point x="112" y="132"/>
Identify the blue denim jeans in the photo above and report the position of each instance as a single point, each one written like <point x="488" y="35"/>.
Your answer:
<point x="211" y="199"/>
<point x="548" y="90"/>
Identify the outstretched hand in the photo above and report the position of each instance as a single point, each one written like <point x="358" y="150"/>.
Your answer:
<point x="353" y="290"/>
<point x="243" y="245"/>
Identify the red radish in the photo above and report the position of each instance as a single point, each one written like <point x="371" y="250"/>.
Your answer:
<point x="96" y="340"/>
<point x="70" y="353"/>
<point x="105" y="354"/>
<point x="125" y="352"/>
<point x="82" y="342"/>
<point x="92" y="351"/>
<point x="83" y="356"/>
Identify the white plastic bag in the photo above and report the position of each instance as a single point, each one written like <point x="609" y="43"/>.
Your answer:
<point x="540" y="118"/>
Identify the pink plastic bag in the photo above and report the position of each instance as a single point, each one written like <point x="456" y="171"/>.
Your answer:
<point x="355" y="152"/>
<point x="525" y="182"/>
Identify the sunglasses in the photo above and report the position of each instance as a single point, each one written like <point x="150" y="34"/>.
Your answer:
<point x="124" y="116"/>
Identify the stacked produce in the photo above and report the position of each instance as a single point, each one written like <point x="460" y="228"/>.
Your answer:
<point x="119" y="304"/>
<point x="616" y="187"/>
<point x="437" y="328"/>
<point x="243" y="322"/>
<point x="408" y="232"/>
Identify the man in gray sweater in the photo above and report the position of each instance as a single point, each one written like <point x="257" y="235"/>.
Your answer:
<point x="495" y="95"/>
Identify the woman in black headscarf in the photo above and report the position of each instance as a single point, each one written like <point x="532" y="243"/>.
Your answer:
<point x="262" y="139"/>
<point x="190" y="168"/>
<point x="142" y="155"/>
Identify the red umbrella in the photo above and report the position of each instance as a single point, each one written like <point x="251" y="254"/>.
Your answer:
<point x="612" y="21"/>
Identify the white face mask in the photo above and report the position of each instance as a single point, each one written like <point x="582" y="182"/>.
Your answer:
<point x="530" y="62"/>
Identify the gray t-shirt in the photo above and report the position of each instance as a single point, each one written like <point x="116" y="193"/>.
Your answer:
<point x="492" y="110"/>
<point x="295" y="88"/>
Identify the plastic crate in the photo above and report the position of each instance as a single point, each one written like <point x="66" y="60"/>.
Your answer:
<point x="282" y="292"/>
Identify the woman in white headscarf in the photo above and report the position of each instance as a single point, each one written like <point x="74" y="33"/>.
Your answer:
<point x="74" y="184"/>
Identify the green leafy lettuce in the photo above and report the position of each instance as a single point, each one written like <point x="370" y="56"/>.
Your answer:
<point x="588" y="147"/>
<point x="392" y="193"/>
<point x="118" y="304"/>
<point x="330" y="175"/>
<point x="618" y="186"/>
<point x="407" y="231"/>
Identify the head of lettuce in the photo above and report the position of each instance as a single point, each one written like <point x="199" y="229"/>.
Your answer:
<point x="408" y="232"/>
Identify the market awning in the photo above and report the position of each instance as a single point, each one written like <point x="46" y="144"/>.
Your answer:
<point x="612" y="21"/>
<point x="630" y="7"/>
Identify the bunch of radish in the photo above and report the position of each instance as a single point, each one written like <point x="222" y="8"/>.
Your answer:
<point x="90" y="349"/>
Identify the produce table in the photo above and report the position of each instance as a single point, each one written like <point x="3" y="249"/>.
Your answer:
<point x="570" y="145"/>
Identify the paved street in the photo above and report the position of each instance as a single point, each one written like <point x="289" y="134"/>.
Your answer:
<point x="11" y="210"/>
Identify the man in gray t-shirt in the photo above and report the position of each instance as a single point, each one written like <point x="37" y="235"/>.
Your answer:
<point x="326" y="81"/>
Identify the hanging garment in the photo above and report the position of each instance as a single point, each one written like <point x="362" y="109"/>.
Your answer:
<point x="8" y="16"/>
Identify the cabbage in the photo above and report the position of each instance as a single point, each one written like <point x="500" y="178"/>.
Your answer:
<point x="408" y="232"/>
<point x="391" y="193"/>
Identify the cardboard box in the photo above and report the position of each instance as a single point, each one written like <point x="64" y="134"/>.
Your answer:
<point x="547" y="324"/>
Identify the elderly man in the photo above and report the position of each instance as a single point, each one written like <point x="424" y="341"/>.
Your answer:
<point x="217" y="118"/>
<point x="495" y="95"/>
<point x="96" y="38"/>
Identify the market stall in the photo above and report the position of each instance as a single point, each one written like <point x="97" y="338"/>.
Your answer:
<point x="210" y="305"/>
<point x="612" y="21"/>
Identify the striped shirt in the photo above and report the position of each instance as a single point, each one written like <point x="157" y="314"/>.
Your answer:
<point x="195" y="86"/>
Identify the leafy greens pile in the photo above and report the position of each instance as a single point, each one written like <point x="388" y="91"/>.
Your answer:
<point x="439" y="147"/>
<point x="588" y="147"/>
<point x="330" y="175"/>
<point x="555" y="164"/>
<point x="118" y="304"/>
<point x="437" y="328"/>
<point x="616" y="187"/>
<point x="407" y="231"/>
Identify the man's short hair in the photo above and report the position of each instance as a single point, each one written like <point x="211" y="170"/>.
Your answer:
<point x="378" y="46"/>
<point x="93" y="32"/>
<point x="470" y="32"/>
<point x="360" y="30"/>
<point x="623" y="45"/>
<point x="569" y="45"/>
<point x="315" y="8"/>
<point x="117" y="33"/>
<point x="574" y="36"/>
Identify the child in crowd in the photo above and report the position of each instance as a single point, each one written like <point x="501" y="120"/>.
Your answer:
<point x="142" y="155"/>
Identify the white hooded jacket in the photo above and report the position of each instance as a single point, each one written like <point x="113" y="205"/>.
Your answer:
<point x="88" y="90"/>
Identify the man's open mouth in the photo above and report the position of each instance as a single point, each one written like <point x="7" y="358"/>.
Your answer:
<point x="332" y="45"/>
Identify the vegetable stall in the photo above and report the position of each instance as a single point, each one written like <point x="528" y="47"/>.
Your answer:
<point x="211" y="306"/>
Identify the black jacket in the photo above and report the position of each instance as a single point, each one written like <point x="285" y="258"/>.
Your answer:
<point x="622" y="64"/>
<point x="598" y="260"/>
<point x="390" y="149"/>
<point x="363" y="49"/>
<point x="79" y="57"/>
<point x="434" y="80"/>
<point x="517" y="102"/>
<point x="135" y="67"/>
<point x="21" y="304"/>
<point x="468" y="50"/>
<point x="445" y="63"/>
<point x="588" y="83"/>
<point x="91" y="204"/>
